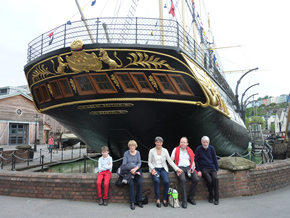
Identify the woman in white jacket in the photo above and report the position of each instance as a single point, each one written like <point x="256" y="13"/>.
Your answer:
<point x="158" y="168"/>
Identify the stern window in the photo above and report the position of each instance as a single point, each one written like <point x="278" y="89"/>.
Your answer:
<point x="126" y="82"/>
<point x="142" y="83"/>
<point x="103" y="83"/>
<point x="164" y="84"/>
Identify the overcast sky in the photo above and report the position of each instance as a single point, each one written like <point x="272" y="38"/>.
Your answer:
<point x="259" y="27"/>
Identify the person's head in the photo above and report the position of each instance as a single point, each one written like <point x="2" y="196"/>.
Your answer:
<point x="205" y="141"/>
<point x="105" y="151"/>
<point x="183" y="142"/>
<point x="158" y="141"/>
<point x="132" y="145"/>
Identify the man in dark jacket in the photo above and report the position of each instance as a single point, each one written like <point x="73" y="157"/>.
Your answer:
<point x="207" y="167"/>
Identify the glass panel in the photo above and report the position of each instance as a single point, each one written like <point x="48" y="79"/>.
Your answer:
<point x="38" y="95"/>
<point x="56" y="89"/>
<point x="45" y="93"/>
<point x="20" y="140"/>
<point x="165" y="83"/>
<point x="103" y="82"/>
<point x="13" y="140"/>
<point x="126" y="81"/>
<point x="180" y="84"/>
<point x="66" y="86"/>
<point x="143" y="83"/>
<point x="84" y="83"/>
<point x="20" y="126"/>
<point x="14" y="126"/>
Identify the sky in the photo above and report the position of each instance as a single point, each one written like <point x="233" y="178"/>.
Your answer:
<point x="256" y="31"/>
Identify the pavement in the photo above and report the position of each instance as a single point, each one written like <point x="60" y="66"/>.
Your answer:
<point x="272" y="204"/>
<point x="64" y="155"/>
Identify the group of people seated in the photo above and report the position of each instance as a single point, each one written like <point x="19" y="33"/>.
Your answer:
<point x="186" y="164"/>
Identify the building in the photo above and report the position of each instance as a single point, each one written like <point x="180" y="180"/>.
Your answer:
<point x="281" y="121"/>
<point x="17" y="118"/>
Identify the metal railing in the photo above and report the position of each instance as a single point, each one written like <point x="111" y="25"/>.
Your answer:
<point x="141" y="31"/>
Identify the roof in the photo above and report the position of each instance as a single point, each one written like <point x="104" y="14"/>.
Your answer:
<point x="15" y="94"/>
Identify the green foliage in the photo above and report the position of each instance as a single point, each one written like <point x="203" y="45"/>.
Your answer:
<point x="255" y="119"/>
<point x="262" y="105"/>
<point x="273" y="127"/>
<point x="272" y="104"/>
<point x="266" y="97"/>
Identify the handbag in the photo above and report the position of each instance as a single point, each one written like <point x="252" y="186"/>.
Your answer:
<point x="173" y="198"/>
<point x="144" y="197"/>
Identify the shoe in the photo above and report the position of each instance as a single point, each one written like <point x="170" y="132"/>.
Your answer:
<point x="101" y="202"/>
<point x="191" y="201"/>
<point x="216" y="202"/>
<point x="184" y="204"/>
<point x="105" y="202"/>
<point x="140" y="204"/>
<point x="210" y="200"/>
<point x="158" y="205"/>
<point x="124" y="181"/>
<point x="132" y="206"/>
<point x="165" y="204"/>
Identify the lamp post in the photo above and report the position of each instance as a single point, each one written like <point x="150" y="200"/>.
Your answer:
<point x="36" y="117"/>
<point x="242" y="106"/>
<point x="238" y="83"/>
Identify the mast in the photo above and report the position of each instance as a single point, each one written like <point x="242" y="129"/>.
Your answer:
<point x="161" y="22"/>
<point x="85" y="22"/>
<point x="184" y="26"/>
<point x="201" y="32"/>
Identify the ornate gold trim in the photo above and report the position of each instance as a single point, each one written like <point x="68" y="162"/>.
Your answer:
<point x="108" y="112"/>
<point x="115" y="81"/>
<point x="50" y="90"/>
<point x="73" y="85"/>
<point x="153" y="82"/>
<point x="91" y="106"/>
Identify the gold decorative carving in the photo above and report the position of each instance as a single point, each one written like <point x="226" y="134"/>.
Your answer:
<point x="91" y="106"/>
<point x="77" y="44"/>
<point x="145" y="61"/>
<point x="153" y="82"/>
<point x="108" y="112"/>
<point x="105" y="58"/>
<point x="115" y="81"/>
<point x="210" y="89"/>
<point x="50" y="90"/>
<point x="40" y="73"/>
<point x="61" y="65"/>
<point x="73" y="85"/>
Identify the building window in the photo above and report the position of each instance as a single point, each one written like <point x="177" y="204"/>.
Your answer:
<point x="84" y="85"/>
<point x="126" y="82"/>
<point x="180" y="85"/>
<point x="45" y="93"/>
<point x="19" y="112"/>
<point x="164" y="83"/>
<point x="3" y="91"/>
<point x="103" y="83"/>
<point x="66" y="88"/>
<point x="57" y="94"/>
<point x="17" y="134"/>
<point x="38" y="95"/>
<point x="142" y="83"/>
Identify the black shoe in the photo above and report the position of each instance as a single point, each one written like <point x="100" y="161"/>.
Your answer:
<point x="184" y="204"/>
<point x="132" y="206"/>
<point x="105" y="202"/>
<point x="165" y="204"/>
<point x="140" y="204"/>
<point x="210" y="200"/>
<point x="158" y="205"/>
<point x="101" y="202"/>
<point x="191" y="201"/>
<point x="216" y="202"/>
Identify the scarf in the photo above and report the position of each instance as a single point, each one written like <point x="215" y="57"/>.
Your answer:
<point x="189" y="151"/>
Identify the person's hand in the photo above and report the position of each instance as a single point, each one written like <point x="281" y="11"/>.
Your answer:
<point x="199" y="174"/>
<point x="153" y="172"/>
<point x="217" y="172"/>
<point x="133" y="171"/>
<point x="179" y="171"/>
<point x="110" y="163"/>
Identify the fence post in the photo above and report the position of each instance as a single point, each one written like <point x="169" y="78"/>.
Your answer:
<point x="64" y="35"/>
<point x="72" y="152"/>
<point x="1" y="164"/>
<point x="85" y="164"/>
<point x="42" y="157"/>
<point x="136" y="32"/>
<point x="12" y="169"/>
<point x="177" y="33"/>
<point x="50" y="156"/>
<point x="80" y="151"/>
<point x="62" y="154"/>
<point x="41" y="44"/>
<point x="27" y="160"/>
<point x="97" y="30"/>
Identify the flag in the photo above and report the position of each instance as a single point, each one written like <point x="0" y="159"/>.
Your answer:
<point x="171" y="11"/>
<point x="93" y="2"/>
<point x="156" y="23"/>
<point x="165" y="6"/>
<point x="69" y="23"/>
<point x="51" y="34"/>
<point x="152" y="33"/>
<point x="50" y="41"/>
<point x="146" y="42"/>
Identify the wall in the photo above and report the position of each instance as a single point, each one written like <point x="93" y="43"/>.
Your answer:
<point x="18" y="156"/>
<point x="82" y="187"/>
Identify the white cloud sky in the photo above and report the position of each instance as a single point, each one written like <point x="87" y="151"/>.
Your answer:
<point x="259" y="26"/>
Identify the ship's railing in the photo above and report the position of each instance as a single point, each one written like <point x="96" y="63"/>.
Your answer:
<point x="141" y="31"/>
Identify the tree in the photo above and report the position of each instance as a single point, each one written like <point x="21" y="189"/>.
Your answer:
<point x="257" y="119"/>
<point x="273" y="127"/>
<point x="266" y="97"/>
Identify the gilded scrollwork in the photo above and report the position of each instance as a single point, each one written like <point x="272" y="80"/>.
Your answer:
<point x="145" y="61"/>
<point x="73" y="85"/>
<point x="115" y="81"/>
<point x="40" y="73"/>
<point x="153" y="82"/>
<point x="50" y="90"/>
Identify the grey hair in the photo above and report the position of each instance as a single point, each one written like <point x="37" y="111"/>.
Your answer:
<point x="205" y="138"/>
<point x="159" y="138"/>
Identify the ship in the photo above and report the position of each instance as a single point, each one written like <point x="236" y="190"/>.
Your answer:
<point x="111" y="80"/>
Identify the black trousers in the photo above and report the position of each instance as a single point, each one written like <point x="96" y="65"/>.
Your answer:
<point x="212" y="182"/>
<point x="182" y="179"/>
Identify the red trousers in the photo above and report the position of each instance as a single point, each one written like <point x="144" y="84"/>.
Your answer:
<point x="106" y="175"/>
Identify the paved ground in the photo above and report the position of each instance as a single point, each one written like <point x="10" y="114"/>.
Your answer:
<point x="42" y="150"/>
<point x="273" y="204"/>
